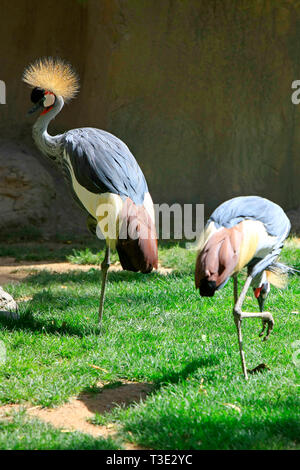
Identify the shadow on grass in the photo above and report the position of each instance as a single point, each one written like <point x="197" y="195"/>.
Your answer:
<point x="29" y="322"/>
<point x="173" y="377"/>
<point x="66" y="301"/>
<point x="260" y="425"/>
<point x="93" y="276"/>
<point x="103" y="399"/>
<point x="216" y="433"/>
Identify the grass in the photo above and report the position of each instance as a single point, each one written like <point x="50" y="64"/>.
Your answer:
<point x="64" y="251"/>
<point x="90" y="256"/>
<point x="158" y="330"/>
<point x="17" y="432"/>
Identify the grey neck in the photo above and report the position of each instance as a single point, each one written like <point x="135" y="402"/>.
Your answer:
<point x="49" y="145"/>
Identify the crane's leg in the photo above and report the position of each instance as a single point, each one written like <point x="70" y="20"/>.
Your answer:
<point x="235" y="288"/>
<point x="264" y="324"/>
<point x="239" y="315"/>
<point x="104" y="270"/>
<point x="238" y="324"/>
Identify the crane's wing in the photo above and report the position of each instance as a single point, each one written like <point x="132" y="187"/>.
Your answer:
<point x="103" y="163"/>
<point x="235" y="210"/>
<point x="274" y="219"/>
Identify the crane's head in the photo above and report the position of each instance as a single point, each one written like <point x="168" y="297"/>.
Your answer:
<point x="261" y="292"/>
<point x="53" y="81"/>
<point x="43" y="100"/>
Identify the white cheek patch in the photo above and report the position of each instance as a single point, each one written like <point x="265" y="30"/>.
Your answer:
<point x="49" y="100"/>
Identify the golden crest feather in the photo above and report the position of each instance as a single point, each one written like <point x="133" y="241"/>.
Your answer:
<point x="54" y="75"/>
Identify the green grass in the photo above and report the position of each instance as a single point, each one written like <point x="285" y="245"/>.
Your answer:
<point x="17" y="432"/>
<point x="90" y="256"/>
<point x="66" y="251"/>
<point x="156" y="329"/>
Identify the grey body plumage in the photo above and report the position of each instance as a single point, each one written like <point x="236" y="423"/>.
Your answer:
<point x="103" y="163"/>
<point x="237" y="209"/>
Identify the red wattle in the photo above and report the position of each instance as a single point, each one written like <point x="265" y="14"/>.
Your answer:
<point x="257" y="292"/>
<point x="46" y="110"/>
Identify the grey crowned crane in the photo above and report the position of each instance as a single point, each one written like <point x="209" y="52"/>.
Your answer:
<point x="243" y="232"/>
<point x="103" y="175"/>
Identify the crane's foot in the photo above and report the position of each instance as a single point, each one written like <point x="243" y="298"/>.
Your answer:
<point x="238" y="315"/>
<point x="267" y="320"/>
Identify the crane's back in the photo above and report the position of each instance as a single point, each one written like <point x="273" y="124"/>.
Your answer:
<point x="103" y="163"/>
<point x="235" y="210"/>
<point x="244" y="231"/>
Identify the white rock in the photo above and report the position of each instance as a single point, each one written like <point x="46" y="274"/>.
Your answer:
<point x="8" y="306"/>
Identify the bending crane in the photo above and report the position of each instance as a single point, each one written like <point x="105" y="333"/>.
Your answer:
<point x="243" y="232"/>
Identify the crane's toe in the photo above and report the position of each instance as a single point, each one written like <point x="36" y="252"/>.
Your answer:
<point x="264" y="324"/>
<point x="268" y="321"/>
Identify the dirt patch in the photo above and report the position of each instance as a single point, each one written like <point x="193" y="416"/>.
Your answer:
<point x="75" y="415"/>
<point x="164" y="271"/>
<point x="6" y="410"/>
<point x="12" y="271"/>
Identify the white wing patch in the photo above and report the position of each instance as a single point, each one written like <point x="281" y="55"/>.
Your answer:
<point x="105" y="207"/>
<point x="266" y="242"/>
<point x="148" y="204"/>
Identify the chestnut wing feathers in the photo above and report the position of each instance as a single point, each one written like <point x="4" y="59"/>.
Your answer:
<point x="275" y="221"/>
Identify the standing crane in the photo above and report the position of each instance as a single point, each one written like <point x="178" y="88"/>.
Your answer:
<point x="243" y="232"/>
<point x="103" y="175"/>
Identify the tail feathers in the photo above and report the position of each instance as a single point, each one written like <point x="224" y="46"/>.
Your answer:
<point x="278" y="273"/>
<point x="137" y="242"/>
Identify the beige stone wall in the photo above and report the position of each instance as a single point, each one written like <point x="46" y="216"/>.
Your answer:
<point x="198" y="89"/>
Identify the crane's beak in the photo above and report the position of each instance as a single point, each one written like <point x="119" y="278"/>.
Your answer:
<point x="207" y="288"/>
<point x="261" y="293"/>
<point x="35" y="108"/>
<point x="261" y="301"/>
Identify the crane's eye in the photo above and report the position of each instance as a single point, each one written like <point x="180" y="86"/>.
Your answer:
<point x="264" y="290"/>
<point x="49" y="99"/>
<point x="37" y="95"/>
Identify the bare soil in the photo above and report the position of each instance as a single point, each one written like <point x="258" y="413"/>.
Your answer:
<point x="12" y="271"/>
<point x="77" y="413"/>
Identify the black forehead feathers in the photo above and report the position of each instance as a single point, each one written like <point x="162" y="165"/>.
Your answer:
<point x="37" y="94"/>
